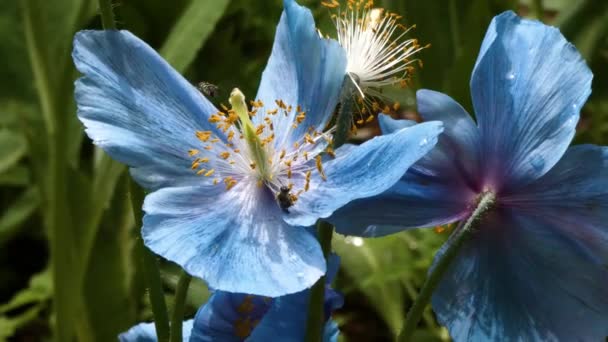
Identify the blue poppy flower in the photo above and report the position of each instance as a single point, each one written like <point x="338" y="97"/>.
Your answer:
<point x="235" y="317"/>
<point x="232" y="190"/>
<point x="537" y="267"/>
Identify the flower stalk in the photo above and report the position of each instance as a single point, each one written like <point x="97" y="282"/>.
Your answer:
<point x="325" y="230"/>
<point x="151" y="270"/>
<point x="178" y="309"/>
<point x="461" y="234"/>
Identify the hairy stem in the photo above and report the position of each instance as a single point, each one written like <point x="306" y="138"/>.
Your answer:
<point x="107" y="15"/>
<point x="455" y="243"/>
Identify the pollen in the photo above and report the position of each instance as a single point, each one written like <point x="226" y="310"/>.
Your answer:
<point x="209" y="173"/>
<point x="320" y="167"/>
<point x="203" y="135"/>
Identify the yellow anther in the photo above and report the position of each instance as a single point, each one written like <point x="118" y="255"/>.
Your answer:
<point x="208" y="147"/>
<point x="305" y="155"/>
<point x="216" y="181"/>
<point x="296" y="144"/>
<point x="203" y="135"/>
<point x="209" y="173"/>
<point x="193" y="152"/>
<point x="201" y="171"/>
<point x="260" y="129"/>
<point x="215" y="118"/>
<point x="309" y="139"/>
<point x="360" y="122"/>
<point x="300" y="117"/>
<point x="224" y="107"/>
<point x="439" y="229"/>
<point x="213" y="141"/>
<point x="320" y="167"/>
<point x="307" y="184"/>
<point x="272" y="112"/>
<point x="225" y="155"/>
<point x="289" y="173"/>
<point x="282" y="155"/>
<point x="396" y="106"/>
<point x="236" y="150"/>
<point x="195" y="165"/>
<point x="330" y="152"/>
<point x="204" y="160"/>
<point x="369" y="119"/>
<point x="252" y="166"/>
<point x="230" y="135"/>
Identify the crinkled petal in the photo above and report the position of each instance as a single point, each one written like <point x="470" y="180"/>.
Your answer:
<point x="436" y="190"/>
<point x="146" y="332"/>
<point x="363" y="171"/>
<point x="303" y="70"/>
<point x="235" y="240"/>
<point x="229" y="317"/>
<point x="525" y="278"/>
<point x="528" y="87"/>
<point x="137" y="108"/>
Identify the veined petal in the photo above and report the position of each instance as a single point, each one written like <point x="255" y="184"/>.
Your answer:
<point x="508" y="283"/>
<point x="146" y="332"/>
<point x="363" y="171"/>
<point x="137" y="108"/>
<point x="528" y="87"/>
<point x="303" y="70"/>
<point x="235" y="240"/>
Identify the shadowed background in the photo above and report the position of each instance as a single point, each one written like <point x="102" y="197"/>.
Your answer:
<point x="67" y="232"/>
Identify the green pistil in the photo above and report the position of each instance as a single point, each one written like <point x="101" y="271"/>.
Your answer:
<point x="237" y="101"/>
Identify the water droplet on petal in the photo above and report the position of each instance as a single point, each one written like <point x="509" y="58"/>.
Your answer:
<point x="424" y="142"/>
<point x="300" y="275"/>
<point x="510" y="75"/>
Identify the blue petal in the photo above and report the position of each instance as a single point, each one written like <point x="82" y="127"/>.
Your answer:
<point x="389" y="125"/>
<point x="229" y="317"/>
<point x="146" y="332"/>
<point x="304" y="70"/>
<point x="436" y="190"/>
<point x="137" y="108"/>
<point x="526" y="278"/>
<point x="528" y="86"/>
<point x="363" y="171"/>
<point x="235" y="240"/>
<point x="237" y="317"/>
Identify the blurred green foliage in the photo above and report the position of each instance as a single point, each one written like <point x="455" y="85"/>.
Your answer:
<point x="68" y="263"/>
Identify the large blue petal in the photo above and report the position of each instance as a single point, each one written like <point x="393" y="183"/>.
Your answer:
<point x="137" y="108"/>
<point x="146" y="332"/>
<point x="363" y="171"/>
<point x="235" y="240"/>
<point x="525" y="278"/>
<point x="436" y="190"/>
<point x="304" y="70"/>
<point x="528" y="86"/>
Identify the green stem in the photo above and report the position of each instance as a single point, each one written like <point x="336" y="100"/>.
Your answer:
<point x="107" y="15"/>
<point x="316" y="318"/>
<point x="455" y="243"/>
<point x="178" y="310"/>
<point x="151" y="271"/>
<point x="538" y="9"/>
<point x="316" y="315"/>
<point x="345" y="112"/>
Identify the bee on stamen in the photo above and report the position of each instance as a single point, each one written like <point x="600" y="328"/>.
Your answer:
<point x="284" y="198"/>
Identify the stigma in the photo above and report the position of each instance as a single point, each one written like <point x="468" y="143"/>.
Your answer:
<point x="378" y="51"/>
<point x="245" y="148"/>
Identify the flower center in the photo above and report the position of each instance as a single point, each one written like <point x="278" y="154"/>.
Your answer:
<point x="248" y="149"/>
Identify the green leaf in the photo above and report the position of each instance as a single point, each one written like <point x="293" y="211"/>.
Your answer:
<point x="107" y="287"/>
<point x="17" y="213"/>
<point x="13" y="146"/>
<point x="15" y="176"/>
<point x="383" y="269"/>
<point x="191" y="31"/>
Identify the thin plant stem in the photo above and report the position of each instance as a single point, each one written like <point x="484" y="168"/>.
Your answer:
<point x="150" y="270"/>
<point x="538" y="9"/>
<point x="107" y="15"/>
<point x="455" y="243"/>
<point x="178" y="309"/>
<point x="316" y="318"/>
